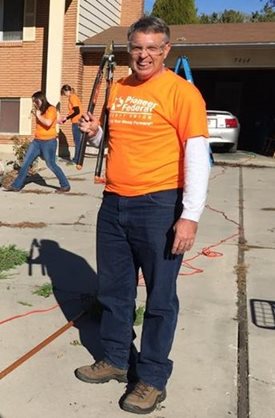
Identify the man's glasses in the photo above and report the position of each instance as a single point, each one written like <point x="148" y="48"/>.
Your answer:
<point x="152" y="50"/>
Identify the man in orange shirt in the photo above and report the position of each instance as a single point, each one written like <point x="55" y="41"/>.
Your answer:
<point x="74" y="114"/>
<point x="44" y="144"/>
<point x="157" y="173"/>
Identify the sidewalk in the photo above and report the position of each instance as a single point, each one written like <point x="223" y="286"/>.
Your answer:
<point x="205" y="351"/>
<point x="244" y="158"/>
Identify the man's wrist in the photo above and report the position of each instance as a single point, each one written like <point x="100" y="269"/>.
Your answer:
<point x="191" y="215"/>
<point x="96" y="138"/>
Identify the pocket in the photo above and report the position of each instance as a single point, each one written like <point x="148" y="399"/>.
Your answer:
<point x="166" y="198"/>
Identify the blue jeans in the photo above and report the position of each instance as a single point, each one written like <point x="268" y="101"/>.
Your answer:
<point x="77" y="140"/>
<point x="37" y="148"/>
<point x="137" y="233"/>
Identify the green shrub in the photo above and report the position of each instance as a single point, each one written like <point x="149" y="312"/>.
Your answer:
<point x="44" y="290"/>
<point x="20" y="147"/>
<point x="10" y="257"/>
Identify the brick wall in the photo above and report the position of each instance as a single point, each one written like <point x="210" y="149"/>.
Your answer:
<point x="23" y="63"/>
<point x="131" y="10"/>
<point x="72" y="72"/>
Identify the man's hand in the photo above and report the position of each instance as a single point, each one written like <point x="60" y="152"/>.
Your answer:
<point x="185" y="233"/>
<point x="89" y="124"/>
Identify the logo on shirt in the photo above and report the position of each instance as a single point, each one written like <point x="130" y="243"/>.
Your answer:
<point x="132" y="110"/>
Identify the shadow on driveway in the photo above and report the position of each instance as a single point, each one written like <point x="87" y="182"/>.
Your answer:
<point x="74" y="285"/>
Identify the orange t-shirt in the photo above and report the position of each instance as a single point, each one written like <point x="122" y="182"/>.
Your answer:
<point x="47" y="132"/>
<point x="148" y="126"/>
<point x="74" y="101"/>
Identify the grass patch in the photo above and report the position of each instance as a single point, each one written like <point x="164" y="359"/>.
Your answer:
<point x="95" y="310"/>
<point x="3" y="275"/>
<point x="10" y="257"/>
<point x="139" y="315"/>
<point x="44" y="290"/>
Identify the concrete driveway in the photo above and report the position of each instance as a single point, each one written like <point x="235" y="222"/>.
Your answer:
<point x="224" y="347"/>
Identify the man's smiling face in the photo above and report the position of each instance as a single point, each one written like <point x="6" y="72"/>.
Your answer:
<point x="148" y="52"/>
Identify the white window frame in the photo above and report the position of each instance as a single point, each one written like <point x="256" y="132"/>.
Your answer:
<point x="29" y="20"/>
<point x="17" y="99"/>
<point x="28" y="24"/>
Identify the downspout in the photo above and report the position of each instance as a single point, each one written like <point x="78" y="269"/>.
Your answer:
<point x="55" y="50"/>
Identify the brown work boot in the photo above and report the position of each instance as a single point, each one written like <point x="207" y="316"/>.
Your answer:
<point x="143" y="399"/>
<point x="101" y="372"/>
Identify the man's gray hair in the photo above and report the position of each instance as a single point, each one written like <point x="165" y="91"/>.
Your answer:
<point x="149" y="24"/>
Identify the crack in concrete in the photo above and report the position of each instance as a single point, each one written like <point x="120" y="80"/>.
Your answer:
<point x="37" y="225"/>
<point x="248" y="247"/>
<point x="24" y="224"/>
<point x="241" y="270"/>
<point x="272" y="384"/>
<point x="38" y="191"/>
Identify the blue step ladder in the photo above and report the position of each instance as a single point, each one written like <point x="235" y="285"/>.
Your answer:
<point x="183" y="62"/>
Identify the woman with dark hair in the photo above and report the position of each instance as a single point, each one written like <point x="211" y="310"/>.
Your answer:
<point x="44" y="144"/>
<point x="74" y="114"/>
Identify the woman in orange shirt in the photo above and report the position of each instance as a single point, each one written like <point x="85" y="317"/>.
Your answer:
<point x="74" y="114"/>
<point x="44" y="144"/>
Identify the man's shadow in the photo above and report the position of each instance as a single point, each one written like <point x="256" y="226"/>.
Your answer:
<point x="74" y="285"/>
<point x="38" y="179"/>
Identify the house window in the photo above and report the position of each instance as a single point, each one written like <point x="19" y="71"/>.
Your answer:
<point x="11" y="20"/>
<point x="9" y="115"/>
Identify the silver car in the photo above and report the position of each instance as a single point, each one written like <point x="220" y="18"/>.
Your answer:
<point x="224" y="129"/>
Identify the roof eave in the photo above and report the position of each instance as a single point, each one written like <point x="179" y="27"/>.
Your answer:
<point x="123" y="47"/>
<point x="226" y="44"/>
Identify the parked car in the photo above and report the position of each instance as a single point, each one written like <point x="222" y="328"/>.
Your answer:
<point x="224" y="129"/>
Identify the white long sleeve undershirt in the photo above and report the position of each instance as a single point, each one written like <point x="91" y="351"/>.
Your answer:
<point x="196" y="174"/>
<point x="96" y="139"/>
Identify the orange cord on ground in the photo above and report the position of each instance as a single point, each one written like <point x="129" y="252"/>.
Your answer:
<point x="207" y="251"/>
<point x="28" y="313"/>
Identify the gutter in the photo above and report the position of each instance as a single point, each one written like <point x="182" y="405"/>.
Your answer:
<point x="123" y="47"/>
<point x="227" y="45"/>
